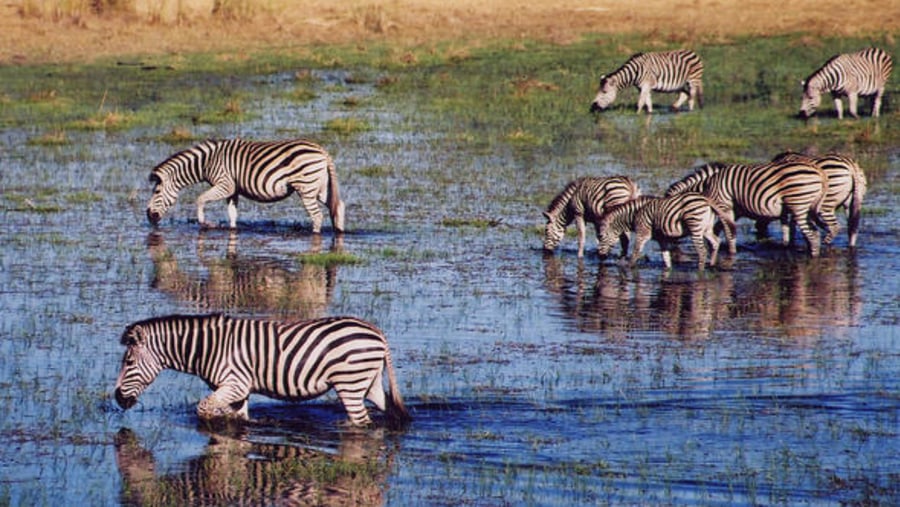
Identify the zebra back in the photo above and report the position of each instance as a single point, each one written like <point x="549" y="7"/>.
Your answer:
<point x="695" y="181"/>
<point x="862" y="72"/>
<point x="669" y="70"/>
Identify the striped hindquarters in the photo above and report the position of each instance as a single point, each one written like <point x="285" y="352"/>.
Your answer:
<point x="269" y="171"/>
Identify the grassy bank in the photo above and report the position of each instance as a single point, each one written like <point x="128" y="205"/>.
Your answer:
<point x="529" y="97"/>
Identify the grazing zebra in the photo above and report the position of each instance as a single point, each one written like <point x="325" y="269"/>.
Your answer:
<point x="237" y="357"/>
<point x="665" y="71"/>
<point x="585" y="198"/>
<point x="777" y="190"/>
<point x="851" y="74"/>
<point x="846" y="188"/>
<point x="261" y="171"/>
<point x="665" y="220"/>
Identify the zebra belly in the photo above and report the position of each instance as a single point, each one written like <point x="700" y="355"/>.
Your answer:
<point x="277" y="193"/>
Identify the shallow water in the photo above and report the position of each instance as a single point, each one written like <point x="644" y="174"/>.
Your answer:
<point x="531" y="379"/>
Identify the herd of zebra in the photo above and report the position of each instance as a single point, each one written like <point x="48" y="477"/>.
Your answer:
<point x="793" y="188"/>
<point x="303" y="360"/>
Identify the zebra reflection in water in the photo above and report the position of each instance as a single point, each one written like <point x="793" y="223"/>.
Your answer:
<point x="273" y="286"/>
<point x="777" y="297"/>
<point x="234" y="471"/>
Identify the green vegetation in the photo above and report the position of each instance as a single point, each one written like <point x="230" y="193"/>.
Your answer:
<point x="329" y="258"/>
<point x="526" y="96"/>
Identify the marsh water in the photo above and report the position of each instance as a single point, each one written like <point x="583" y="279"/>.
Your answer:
<point x="532" y="379"/>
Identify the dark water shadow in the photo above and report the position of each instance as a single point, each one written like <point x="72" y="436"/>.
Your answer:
<point x="781" y="293"/>
<point x="237" y="469"/>
<point x="243" y="282"/>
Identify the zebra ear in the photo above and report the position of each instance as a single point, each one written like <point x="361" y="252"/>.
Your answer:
<point x="155" y="179"/>
<point x="547" y="215"/>
<point x="133" y="335"/>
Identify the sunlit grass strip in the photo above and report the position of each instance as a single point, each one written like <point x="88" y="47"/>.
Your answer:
<point x="329" y="258"/>
<point x="346" y="126"/>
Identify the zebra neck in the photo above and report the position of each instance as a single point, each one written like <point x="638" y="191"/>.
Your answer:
<point x="624" y="76"/>
<point x="194" y="344"/>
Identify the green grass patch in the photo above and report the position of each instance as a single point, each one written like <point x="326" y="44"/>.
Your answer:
<point x="479" y="223"/>
<point x="346" y="126"/>
<point x="329" y="258"/>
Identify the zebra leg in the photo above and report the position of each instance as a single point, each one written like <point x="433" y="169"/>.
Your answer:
<point x="809" y="232"/>
<point x="839" y="107"/>
<point x="579" y="225"/>
<point x="700" y="245"/>
<point x="311" y="203"/>
<point x="852" y="103"/>
<point x="354" y="404"/>
<point x="682" y="98"/>
<point x="232" y="211"/>
<point x="641" y="238"/>
<point x="827" y="218"/>
<point x="713" y="241"/>
<point x="216" y="193"/>
<point x="644" y="100"/>
<point x="876" y="103"/>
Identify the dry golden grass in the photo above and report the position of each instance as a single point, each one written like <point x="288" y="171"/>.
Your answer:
<point x="34" y="31"/>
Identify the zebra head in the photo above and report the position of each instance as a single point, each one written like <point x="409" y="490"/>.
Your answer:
<point x="605" y="95"/>
<point x="553" y="231"/>
<point x="164" y="195"/>
<point x="812" y="97"/>
<point x="140" y="366"/>
<point x="606" y="237"/>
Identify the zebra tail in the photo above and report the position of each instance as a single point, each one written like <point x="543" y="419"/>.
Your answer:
<point x="335" y="205"/>
<point x="855" y="209"/>
<point x="396" y="410"/>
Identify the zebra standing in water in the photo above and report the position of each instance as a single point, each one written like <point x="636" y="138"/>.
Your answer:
<point x="846" y="188"/>
<point x="666" y="220"/>
<point x="583" y="199"/>
<point x="777" y="190"/>
<point x="237" y="357"/>
<point x="851" y="74"/>
<point x="261" y="171"/>
<point x="665" y="71"/>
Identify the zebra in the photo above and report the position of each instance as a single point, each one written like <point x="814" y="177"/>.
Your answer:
<point x="261" y="171"/>
<point x="284" y="360"/>
<point x="775" y="190"/>
<point x="847" y="187"/>
<point x="582" y="199"/>
<point x="665" y="219"/>
<point x="664" y="71"/>
<point x="864" y="72"/>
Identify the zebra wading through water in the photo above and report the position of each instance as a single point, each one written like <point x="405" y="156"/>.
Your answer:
<point x="664" y="71"/>
<point x="848" y="75"/>
<point x="260" y="171"/>
<point x="665" y="219"/>
<point x="786" y="191"/>
<point x="585" y="198"/>
<point x="283" y="360"/>
<point x="846" y="188"/>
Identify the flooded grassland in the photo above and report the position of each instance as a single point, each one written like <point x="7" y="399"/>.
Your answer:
<point x="772" y="379"/>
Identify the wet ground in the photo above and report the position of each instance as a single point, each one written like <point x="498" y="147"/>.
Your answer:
<point x="531" y="379"/>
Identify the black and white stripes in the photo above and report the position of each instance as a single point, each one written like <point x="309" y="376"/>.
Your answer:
<point x="261" y="171"/>
<point x="665" y="71"/>
<point x="237" y="357"/>
<point x="848" y="75"/>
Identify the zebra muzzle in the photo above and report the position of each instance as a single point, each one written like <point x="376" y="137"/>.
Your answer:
<point x="154" y="217"/>
<point x="125" y="402"/>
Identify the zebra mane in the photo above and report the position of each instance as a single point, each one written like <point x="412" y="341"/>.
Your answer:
<point x="156" y="321"/>
<point x="176" y="164"/>
<point x="562" y="199"/>
<point x="615" y="76"/>
<point x="695" y="178"/>
<point x="620" y="218"/>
